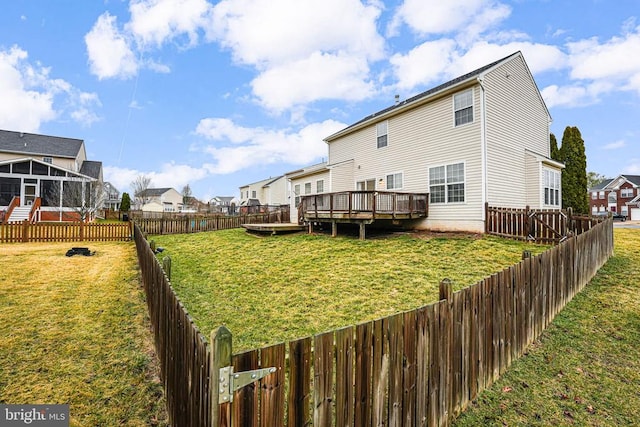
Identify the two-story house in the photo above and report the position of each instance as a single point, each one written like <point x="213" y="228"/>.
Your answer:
<point x="272" y="191"/>
<point x="480" y="138"/>
<point x="45" y="177"/>
<point x="618" y="195"/>
<point x="112" y="198"/>
<point x="159" y="200"/>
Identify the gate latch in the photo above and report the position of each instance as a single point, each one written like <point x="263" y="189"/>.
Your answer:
<point x="232" y="381"/>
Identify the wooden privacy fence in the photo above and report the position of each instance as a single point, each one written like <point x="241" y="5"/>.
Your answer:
<point x="196" y="224"/>
<point x="538" y="225"/>
<point x="421" y="367"/>
<point x="25" y="231"/>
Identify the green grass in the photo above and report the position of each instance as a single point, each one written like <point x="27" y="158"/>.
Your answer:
<point x="273" y="289"/>
<point x="74" y="332"/>
<point x="585" y="368"/>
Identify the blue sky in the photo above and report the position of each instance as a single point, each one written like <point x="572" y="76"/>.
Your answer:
<point x="221" y="94"/>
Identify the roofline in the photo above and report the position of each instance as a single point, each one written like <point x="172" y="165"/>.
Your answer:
<point x="425" y="97"/>
<point x="22" y="159"/>
<point x="546" y="159"/>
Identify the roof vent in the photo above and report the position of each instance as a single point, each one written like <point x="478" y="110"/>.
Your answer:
<point x="397" y="97"/>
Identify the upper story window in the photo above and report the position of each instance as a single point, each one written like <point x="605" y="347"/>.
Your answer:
<point x="47" y="160"/>
<point x="307" y="188"/>
<point x="394" y="181"/>
<point x="612" y="197"/>
<point x="447" y="183"/>
<point x="253" y="194"/>
<point x="463" y="107"/>
<point x="594" y="195"/>
<point x="601" y="195"/>
<point x="381" y="133"/>
<point x="626" y="193"/>
<point x="320" y="186"/>
<point x="551" y="187"/>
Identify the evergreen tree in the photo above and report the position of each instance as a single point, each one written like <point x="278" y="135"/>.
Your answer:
<point x="555" y="153"/>
<point x="125" y="203"/>
<point x="574" y="176"/>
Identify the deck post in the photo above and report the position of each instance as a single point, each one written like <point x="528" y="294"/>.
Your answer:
<point x="362" y="230"/>
<point x="310" y="227"/>
<point x="334" y="228"/>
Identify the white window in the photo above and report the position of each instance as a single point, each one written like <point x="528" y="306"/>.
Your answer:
<point x="463" y="107"/>
<point x="394" y="181"/>
<point x="446" y="183"/>
<point x="626" y="193"/>
<point x="594" y="195"/>
<point x="320" y="186"/>
<point x="625" y="210"/>
<point x="296" y="193"/>
<point x="594" y="210"/>
<point x="551" y="187"/>
<point x="47" y="160"/>
<point x="307" y="188"/>
<point x="381" y="133"/>
<point x="612" y="197"/>
<point x="601" y="195"/>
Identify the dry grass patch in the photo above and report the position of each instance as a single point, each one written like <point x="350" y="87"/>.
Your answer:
<point x="273" y="289"/>
<point x="74" y="331"/>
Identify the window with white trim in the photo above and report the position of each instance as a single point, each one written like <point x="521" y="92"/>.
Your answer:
<point x="307" y="188"/>
<point x="551" y="187"/>
<point x="626" y="193"/>
<point x="296" y="193"/>
<point x="320" y="186"/>
<point x="625" y="210"/>
<point x="447" y="184"/>
<point x="463" y="107"/>
<point x="253" y="194"/>
<point x="594" y="195"/>
<point x="394" y="181"/>
<point x="601" y="195"/>
<point x="382" y="133"/>
<point x="47" y="160"/>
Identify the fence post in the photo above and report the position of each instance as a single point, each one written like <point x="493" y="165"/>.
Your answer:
<point x="25" y="231"/>
<point x="446" y="290"/>
<point x="527" y="223"/>
<point x="166" y="266"/>
<point x="152" y="245"/>
<point x="221" y="340"/>
<point x="526" y="254"/>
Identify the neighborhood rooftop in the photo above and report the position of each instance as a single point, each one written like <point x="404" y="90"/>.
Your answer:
<point x="42" y="145"/>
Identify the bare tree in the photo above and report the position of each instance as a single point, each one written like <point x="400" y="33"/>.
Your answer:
<point x="79" y="199"/>
<point x="186" y="195"/>
<point x="140" y="185"/>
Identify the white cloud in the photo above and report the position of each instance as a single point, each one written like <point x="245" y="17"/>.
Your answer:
<point x="30" y="96"/>
<point x="249" y="147"/>
<point x="615" y="145"/>
<point x="428" y="62"/>
<point x="319" y="76"/>
<point x="110" y="53"/>
<point x="466" y="17"/>
<point x="264" y="32"/>
<point x="170" y="175"/>
<point x="153" y="22"/>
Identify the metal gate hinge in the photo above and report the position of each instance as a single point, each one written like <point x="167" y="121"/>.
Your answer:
<point x="232" y="381"/>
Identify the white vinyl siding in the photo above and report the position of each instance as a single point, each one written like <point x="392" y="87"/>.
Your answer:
<point x="463" y="107"/>
<point x="516" y="120"/>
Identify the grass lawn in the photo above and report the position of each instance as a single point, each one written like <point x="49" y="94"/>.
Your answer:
<point x="585" y="368"/>
<point x="74" y="331"/>
<point x="272" y="289"/>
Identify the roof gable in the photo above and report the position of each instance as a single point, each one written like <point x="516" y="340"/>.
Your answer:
<point x="39" y="145"/>
<point x="421" y="98"/>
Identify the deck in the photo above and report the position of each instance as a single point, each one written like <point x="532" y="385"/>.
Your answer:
<point x="363" y="207"/>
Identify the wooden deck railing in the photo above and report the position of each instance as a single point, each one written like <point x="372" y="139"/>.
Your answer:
<point x="365" y="204"/>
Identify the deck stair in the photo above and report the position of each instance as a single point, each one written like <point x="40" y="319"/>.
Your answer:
<point x="19" y="213"/>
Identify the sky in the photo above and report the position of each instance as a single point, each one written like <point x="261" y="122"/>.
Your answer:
<point x="216" y="95"/>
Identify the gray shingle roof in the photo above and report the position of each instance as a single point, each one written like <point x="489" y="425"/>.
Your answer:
<point x="153" y="192"/>
<point x="40" y="145"/>
<point x="91" y="168"/>
<point x="428" y="93"/>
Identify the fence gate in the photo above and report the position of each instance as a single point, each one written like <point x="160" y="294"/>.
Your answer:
<point x="548" y="226"/>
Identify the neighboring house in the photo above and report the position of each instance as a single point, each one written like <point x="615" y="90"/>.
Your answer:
<point x="480" y="138"/>
<point x="620" y="195"/>
<point x="111" y="197"/>
<point x="272" y="191"/>
<point x="313" y="179"/>
<point x="50" y="175"/>
<point x="223" y="204"/>
<point x="159" y="200"/>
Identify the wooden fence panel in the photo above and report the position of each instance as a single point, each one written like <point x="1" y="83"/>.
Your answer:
<point x="409" y="370"/>
<point x="423" y="357"/>
<point x="345" y="405"/>
<point x="323" y="354"/>
<point x="380" y="371"/>
<point x="299" y="383"/>
<point x="364" y="374"/>
<point x="272" y="387"/>
<point x="245" y="401"/>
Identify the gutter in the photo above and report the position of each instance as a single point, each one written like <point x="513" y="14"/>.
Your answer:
<point x="483" y="143"/>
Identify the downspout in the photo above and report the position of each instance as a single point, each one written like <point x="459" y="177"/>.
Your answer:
<point x="483" y="146"/>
